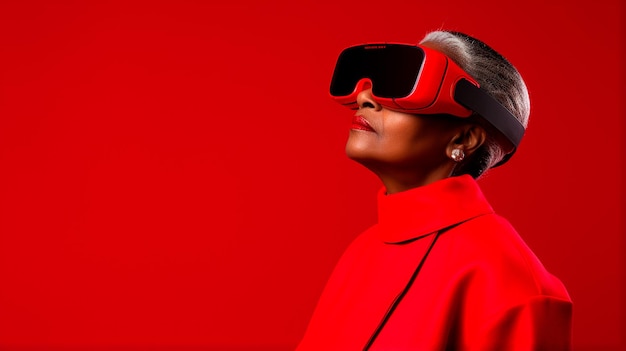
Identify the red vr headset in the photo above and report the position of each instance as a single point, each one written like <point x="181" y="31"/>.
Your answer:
<point x="418" y="80"/>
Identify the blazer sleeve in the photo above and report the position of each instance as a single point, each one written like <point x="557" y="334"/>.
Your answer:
<point x="541" y="323"/>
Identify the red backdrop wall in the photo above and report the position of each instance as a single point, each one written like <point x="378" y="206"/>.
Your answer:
<point x="172" y="172"/>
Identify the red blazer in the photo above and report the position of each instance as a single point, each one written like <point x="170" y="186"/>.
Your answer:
<point x="440" y="271"/>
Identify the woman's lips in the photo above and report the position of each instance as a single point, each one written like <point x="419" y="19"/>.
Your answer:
<point x="358" y="122"/>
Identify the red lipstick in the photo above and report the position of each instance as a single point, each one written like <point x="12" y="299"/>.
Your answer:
<point x="358" y="122"/>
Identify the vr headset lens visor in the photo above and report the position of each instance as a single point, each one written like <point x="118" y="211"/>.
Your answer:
<point x="392" y="69"/>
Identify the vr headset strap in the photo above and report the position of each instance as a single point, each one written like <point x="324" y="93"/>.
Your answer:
<point x="477" y="100"/>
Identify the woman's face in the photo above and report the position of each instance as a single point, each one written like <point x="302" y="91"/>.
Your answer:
<point x="385" y="140"/>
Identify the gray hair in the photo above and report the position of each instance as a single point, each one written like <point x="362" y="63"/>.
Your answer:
<point x="497" y="77"/>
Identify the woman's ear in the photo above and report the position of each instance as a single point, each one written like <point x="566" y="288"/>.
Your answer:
<point x="468" y="139"/>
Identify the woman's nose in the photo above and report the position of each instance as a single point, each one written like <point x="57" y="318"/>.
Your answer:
<point x="365" y="99"/>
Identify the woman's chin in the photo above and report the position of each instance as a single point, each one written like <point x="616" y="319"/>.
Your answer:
<point x="363" y="156"/>
<point x="357" y="151"/>
<point x="359" y="144"/>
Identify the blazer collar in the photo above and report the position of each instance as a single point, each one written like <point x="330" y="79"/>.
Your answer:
<point x="420" y="211"/>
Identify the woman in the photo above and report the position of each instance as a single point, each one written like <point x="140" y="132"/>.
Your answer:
<point x="440" y="270"/>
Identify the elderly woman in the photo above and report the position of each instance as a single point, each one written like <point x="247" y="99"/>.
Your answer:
<point x="440" y="270"/>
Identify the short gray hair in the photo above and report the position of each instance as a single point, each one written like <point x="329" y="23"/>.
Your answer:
<point x="497" y="76"/>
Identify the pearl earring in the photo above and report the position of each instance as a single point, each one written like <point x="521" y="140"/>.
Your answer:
<point x="457" y="155"/>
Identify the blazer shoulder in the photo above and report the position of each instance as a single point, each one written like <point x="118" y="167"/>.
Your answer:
<point x="495" y="250"/>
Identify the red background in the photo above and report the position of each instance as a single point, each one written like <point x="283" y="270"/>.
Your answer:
<point x="172" y="172"/>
